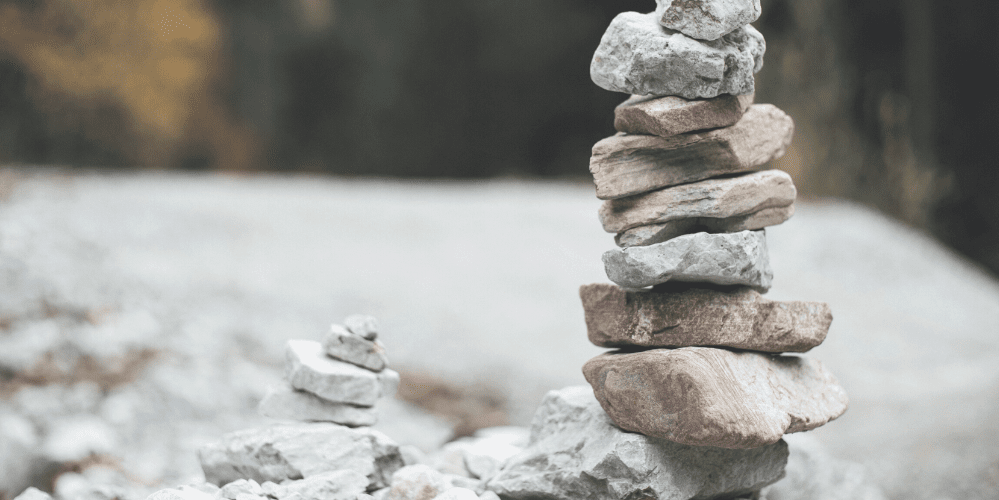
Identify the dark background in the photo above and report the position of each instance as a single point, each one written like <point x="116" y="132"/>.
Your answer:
<point x="893" y="100"/>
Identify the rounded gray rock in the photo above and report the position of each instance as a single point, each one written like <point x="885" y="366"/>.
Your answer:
<point x="707" y="19"/>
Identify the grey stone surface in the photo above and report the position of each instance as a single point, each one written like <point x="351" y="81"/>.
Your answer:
<point x="706" y="19"/>
<point x="704" y="396"/>
<point x="342" y="344"/>
<point x="577" y="453"/>
<point x="307" y="368"/>
<point x="457" y="493"/>
<point x="671" y="115"/>
<point x="363" y="325"/>
<point x="638" y="56"/>
<point x="658" y="233"/>
<point x="479" y="456"/>
<point x="723" y="259"/>
<point x="286" y="403"/>
<point x="344" y="484"/>
<point x="417" y="482"/>
<point x="240" y="486"/>
<point x="814" y="474"/>
<point x="299" y="451"/>
<point x="629" y="164"/>
<point x="699" y="316"/>
<point x="738" y="196"/>
<point x="181" y="493"/>
<point x="32" y="493"/>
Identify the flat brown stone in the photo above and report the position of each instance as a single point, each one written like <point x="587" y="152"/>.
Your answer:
<point x="672" y="115"/>
<point x="628" y="164"/>
<point x="701" y="396"/>
<point x="658" y="233"/>
<point x="738" y="317"/>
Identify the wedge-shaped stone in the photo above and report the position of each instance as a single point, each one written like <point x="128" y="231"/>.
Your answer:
<point x="691" y="315"/>
<point x="703" y="396"/>
<point x="723" y="259"/>
<point x="707" y="19"/>
<point x="344" y="345"/>
<point x="672" y="115"/>
<point x="638" y="56"/>
<point x="713" y="198"/>
<point x="577" y="453"/>
<point x="308" y="369"/>
<point x="285" y="403"/>
<point x="658" y="233"/>
<point x="626" y="165"/>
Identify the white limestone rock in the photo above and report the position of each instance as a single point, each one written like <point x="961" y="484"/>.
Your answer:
<point x="457" y="493"/>
<point x="481" y="455"/>
<point x="360" y="324"/>
<point x="723" y="259"/>
<point x="307" y="368"/>
<point x="33" y="493"/>
<point x="283" y="402"/>
<point x="343" y="484"/>
<point x="344" y="345"/>
<point x="181" y="493"/>
<point x="707" y="19"/>
<point x="240" y="487"/>
<point x="417" y="482"/>
<point x="638" y="56"/>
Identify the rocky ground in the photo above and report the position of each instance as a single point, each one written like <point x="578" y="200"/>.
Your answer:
<point x="144" y="315"/>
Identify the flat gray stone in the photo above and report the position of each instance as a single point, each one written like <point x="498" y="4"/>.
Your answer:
<point x="672" y="115"/>
<point x="307" y="368"/>
<point x="739" y="318"/>
<point x="363" y="325"/>
<point x="576" y="452"/>
<point x="627" y="164"/>
<point x="729" y="197"/>
<point x="723" y="259"/>
<point x="297" y="451"/>
<point x="343" y="484"/>
<point x="638" y="56"/>
<point x="707" y="19"/>
<point x="286" y="403"/>
<point x="344" y="345"/>
<point x="703" y="396"/>
<point x="658" y="233"/>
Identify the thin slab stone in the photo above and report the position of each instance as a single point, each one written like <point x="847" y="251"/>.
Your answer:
<point x="672" y="115"/>
<point x="658" y="233"/>
<point x="707" y="19"/>
<point x="638" y="56"/>
<point x="307" y="368"/>
<point x="723" y="259"/>
<point x="283" y="402"/>
<point x="713" y="198"/>
<point x="344" y="345"/>
<point x="702" y="396"/>
<point x="692" y="315"/>
<point x="628" y="164"/>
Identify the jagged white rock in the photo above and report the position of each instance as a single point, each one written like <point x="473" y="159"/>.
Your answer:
<point x="363" y="325"/>
<point x="285" y="403"/>
<point x="307" y="368"/>
<point x="33" y="493"/>
<point x="342" y="484"/>
<point x="345" y="345"/>
<point x="707" y="19"/>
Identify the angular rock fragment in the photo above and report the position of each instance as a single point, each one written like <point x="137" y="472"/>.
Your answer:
<point x="714" y="397"/>
<point x="739" y="318"/>
<point x="343" y="484"/>
<point x="360" y="324"/>
<point x="638" y="56"/>
<point x="576" y="452"/>
<point x="181" y="493"/>
<point x="724" y="198"/>
<point x="285" y="403"/>
<point x="707" y="19"/>
<point x="417" y="482"/>
<point x="308" y="369"/>
<point x="723" y="259"/>
<point x="671" y="115"/>
<point x="344" y="345"/>
<point x="658" y="233"/>
<point x="457" y="493"/>
<point x="626" y="165"/>
<point x="239" y="487"/>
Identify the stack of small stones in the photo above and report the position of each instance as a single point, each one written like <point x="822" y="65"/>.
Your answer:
<point x="699" y="353"/>
<point x="338" y="380"/>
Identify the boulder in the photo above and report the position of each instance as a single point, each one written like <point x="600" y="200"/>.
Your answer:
<point x="307" y="368"/>
<point x="723" y="259"/>
<point x="692" y="315"/>
<point x="285" y="403"/>
<point x="672" y="115"/>
<point x="343" y="484"/>
<point x="341" y="344"/>
<point x="576" y="452"/>
<point x="360" y="324"/>
<point x="629" y="164"/>
<point x="658" y="233"/>
<point x="638" y="56"/>
<point x="714" y="397"/>
<point x="707" y="19"/>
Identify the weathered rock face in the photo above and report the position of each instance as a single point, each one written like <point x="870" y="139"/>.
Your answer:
<point x="307" y="368"/>
<point x="713" y="198"/>
<point x="417" y="482"/>
<point x="699" y="316"/>
<point x="723" y="259"/>
<point x="638" y="56"/>
<point x="707" y="19"/>
<point x="285" y="403"/>
<point x="299" y="451"/>
<point x="577" y="453"/>
<point x="658" y="233"/>
<point x="714" y="397"/>
<point x="346" y="346"/>
<point x="335" y="485"/>
<point x="672" y="115"/>
<point x="363" y="325"/>
<point x="626" y="165"/>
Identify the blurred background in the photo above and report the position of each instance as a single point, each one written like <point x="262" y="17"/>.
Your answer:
<point x="893" y="99"/>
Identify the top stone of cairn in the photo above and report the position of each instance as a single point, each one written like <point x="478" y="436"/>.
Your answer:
<point x="707" y="19"/>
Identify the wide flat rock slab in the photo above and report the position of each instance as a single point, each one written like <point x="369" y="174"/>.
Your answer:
<point x="713" y="198"/>
<point x="285" y="403"/>
<point x="309" y="369"/>
<point x="576" y="452"/>
<point x="704" y="396"/>
<point x="692" y="316"/>
<point x="638" y="56"/>
<point x="672" y="115"/>
<point x="628" y="164"/>
<point x="707" y="19"/>
<point x="657" y="233"/>
<point x="723" y="259"/>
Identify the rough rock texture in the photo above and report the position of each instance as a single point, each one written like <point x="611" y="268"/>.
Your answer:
<point x="723" y="259"/>
<point x="285" y="403"/>
<point x="738" y="196"/>
<point x="694" y="316"/>
<point x="308" y="369"/>
<point x="671" y="115"/>
<point x="360" y="324"/>
<point x="813" y="474"/>
<point x="707" y="19"/>
<point x="714" y="397"/>
<point x="299" y="451"/>
<point x="638" y="56"/>
<point x="343" y="484"/>
<point x="482" y="455"/>
<point x="344" y="345"/>
<point x="626" y="164"/>
<point x="658" y="233"/>
<point x="577" y="453"/>
<point x="417" y="482"/>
